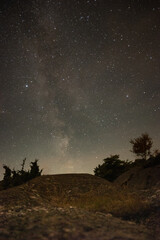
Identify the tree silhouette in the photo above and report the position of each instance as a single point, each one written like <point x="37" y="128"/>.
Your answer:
<point x="7" y="176"/>
<point x="17" y="177"/>
<point x="142" y="145"/>
<point x="111" y="168"/>
<point x="34" y="172"/>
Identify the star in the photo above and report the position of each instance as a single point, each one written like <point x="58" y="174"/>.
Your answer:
<point x="76" y="76"/>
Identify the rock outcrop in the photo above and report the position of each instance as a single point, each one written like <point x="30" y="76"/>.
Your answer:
<point x="140" y="178"/>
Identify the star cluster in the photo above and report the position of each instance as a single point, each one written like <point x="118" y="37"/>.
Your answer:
<point x="78" y="79"/>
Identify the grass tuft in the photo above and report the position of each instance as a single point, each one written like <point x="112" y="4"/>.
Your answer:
<point x="123" y="203"/>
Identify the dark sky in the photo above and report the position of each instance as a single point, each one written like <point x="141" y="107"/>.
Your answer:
<point x="78" y="80"/>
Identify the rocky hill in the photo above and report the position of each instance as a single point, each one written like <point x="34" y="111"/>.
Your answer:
<point x="59" y="207"/>
<point x="47" y="188"/>
<point x="140" y="177"/>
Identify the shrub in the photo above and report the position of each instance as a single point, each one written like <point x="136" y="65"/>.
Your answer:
<point x="112" y="168"/>
<point x="142" y="145"/>
<point x="7" y="177"/>
<point x="15" y="178"/>
<point x="153" y="161"/>
<point x="34" y="172"/>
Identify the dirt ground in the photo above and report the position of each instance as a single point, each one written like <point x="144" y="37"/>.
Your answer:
<point x="43" y="223"/>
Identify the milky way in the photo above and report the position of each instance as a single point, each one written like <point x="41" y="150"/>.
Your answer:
<point x="78" y="80"/>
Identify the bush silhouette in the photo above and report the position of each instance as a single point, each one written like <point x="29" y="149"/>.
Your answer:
<point x="152" y="161"/>
<point x="142" y="145"/>
<point x="112" y="168"/>
<point x="7" y="177"/>
<point x="34" y="172"/>
<point x="14" y="178"/>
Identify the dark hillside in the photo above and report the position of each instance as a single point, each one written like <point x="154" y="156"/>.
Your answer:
<point x="69" y="207"/>
<point x="140" y="177"/>
<point x="47" y="188"/>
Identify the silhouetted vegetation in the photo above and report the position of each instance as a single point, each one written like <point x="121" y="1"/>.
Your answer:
<point x="142" y="145"/>
<point x="7" y="176"/>
<point x="152" y="161"/>
<point x="16" y="177"/>
<point x="112" y="168"/>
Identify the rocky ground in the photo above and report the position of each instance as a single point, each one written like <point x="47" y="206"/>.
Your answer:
<point x="43" y="223"/>
<point x="152" y="222"/>
<point x="32" y="212"/>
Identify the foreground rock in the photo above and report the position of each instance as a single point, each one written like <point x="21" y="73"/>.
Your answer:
<point x="43" y="223"/>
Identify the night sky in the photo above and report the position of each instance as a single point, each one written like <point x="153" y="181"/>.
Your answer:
<point x="78" y="80"/>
